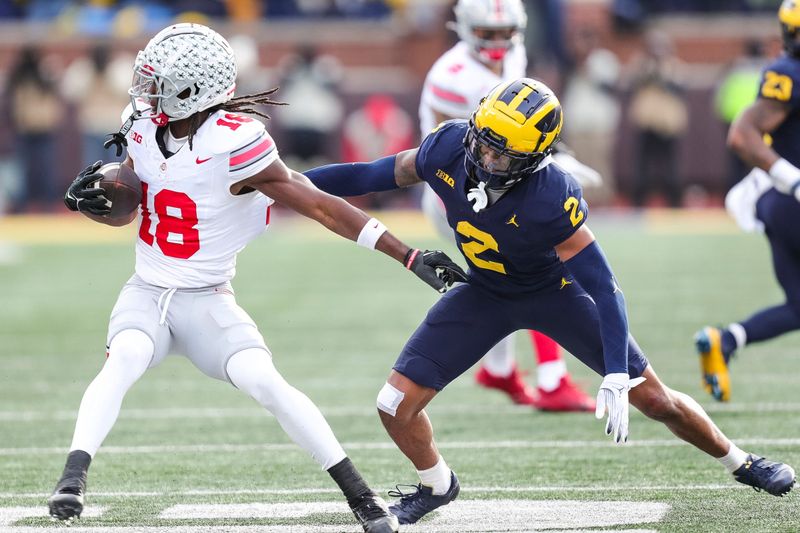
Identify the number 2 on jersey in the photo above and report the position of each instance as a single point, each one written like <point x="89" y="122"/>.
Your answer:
<point x="482" y="241"/>
<point x="164" y="202"/>
<point x="571" y="206"/>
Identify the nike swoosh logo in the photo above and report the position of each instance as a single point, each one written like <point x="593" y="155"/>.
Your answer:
<point x="201" y="161"/>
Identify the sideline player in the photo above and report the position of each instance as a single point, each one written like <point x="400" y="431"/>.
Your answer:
<point x="768" y="199"/>
<point x="489" y="52"/>
<point x="209" y="176"/>
<point x="546" y="272"/>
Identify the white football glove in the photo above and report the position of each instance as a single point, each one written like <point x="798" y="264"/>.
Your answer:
<point x="613" y="397"/>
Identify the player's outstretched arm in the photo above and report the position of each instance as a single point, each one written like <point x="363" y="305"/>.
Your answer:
<point x="746" y="138"/>
<point x="355" y="179"/>
<point x="585" y="260"/>
<point x="295" y="191"/>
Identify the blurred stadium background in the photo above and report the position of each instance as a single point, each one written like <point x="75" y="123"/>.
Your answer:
<point x="336" y="317"/>
<point x="334" y="58"/>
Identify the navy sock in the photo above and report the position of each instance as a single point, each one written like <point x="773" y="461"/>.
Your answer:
<point x="769" y="323"/>
<point x="728" y="344"/>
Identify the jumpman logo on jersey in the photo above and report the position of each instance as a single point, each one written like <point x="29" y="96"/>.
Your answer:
<point x="513" y="220"/>
<point x="616" y="286"/>
<point x="564" y="283"/>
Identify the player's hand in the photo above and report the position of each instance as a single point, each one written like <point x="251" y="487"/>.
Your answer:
<point x="613" y="397"/>
<point x="81" y="196"/>
<point x="434" y="267"/>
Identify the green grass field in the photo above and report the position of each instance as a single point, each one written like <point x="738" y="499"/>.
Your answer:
<point x="191" y="454"/>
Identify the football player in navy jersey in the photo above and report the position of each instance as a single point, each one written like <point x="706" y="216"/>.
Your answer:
<point x="774" y="192"/>
<point x="520" y="222"/>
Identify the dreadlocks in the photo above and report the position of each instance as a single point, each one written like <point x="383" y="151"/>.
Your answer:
<point x="239" y="104"/>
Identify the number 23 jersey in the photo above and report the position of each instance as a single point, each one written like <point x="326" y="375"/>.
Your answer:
<point x="509" y="246"/>
<point x="191" y="227"/>
<point x="780" y="82"/>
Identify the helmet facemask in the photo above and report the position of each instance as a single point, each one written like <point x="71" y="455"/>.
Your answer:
<point x="490" y="27"/>
<point x="492" y="44"/>
<point x="791" y="39"/>
<point x="489" y="160"/>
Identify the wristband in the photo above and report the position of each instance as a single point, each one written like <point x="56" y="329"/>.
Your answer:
<point x="410" y="256"/>
<point x="370" y="233"/>
<point x="784" y="175"/>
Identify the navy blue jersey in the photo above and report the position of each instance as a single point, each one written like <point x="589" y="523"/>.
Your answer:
<point x="509" y="246"/>
<point x="780" y="81"/>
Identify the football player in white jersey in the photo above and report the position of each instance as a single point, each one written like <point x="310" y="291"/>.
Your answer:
<point x="490" y="51"/>
<point x="209" y="176"/>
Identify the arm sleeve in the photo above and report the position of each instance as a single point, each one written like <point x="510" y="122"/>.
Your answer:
<point x="355" y="179"/>
<point x="591" y="269"/>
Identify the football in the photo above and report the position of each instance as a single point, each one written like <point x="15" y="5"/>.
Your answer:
<point x="123" y="189"/>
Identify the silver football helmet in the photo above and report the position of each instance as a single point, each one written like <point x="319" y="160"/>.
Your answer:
<point x="184" y="69"/>
<point x="477" y="18"/>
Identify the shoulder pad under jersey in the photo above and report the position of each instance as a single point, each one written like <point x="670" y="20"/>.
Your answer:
<point x="230" y="131"/>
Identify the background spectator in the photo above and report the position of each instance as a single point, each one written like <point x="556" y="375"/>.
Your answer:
<point x="378" y="128"/>
<point x="738" y="89"/>
<point x="97" y="87"/>
<point x="660" y="116"/>
<point x="315" y="110"/>
<point x="592" y="109"/>
<point x="35" y="111"/>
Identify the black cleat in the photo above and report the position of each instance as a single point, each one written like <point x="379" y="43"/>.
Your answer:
<point x="66" y="502"/>
<point x="775" y="478"/>
<point x="373" y="514"/>
<point x="65" y="505"/>
<point x="422" y="501"/>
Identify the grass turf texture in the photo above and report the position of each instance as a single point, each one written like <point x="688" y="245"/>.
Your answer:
<point x="335" y="317"/>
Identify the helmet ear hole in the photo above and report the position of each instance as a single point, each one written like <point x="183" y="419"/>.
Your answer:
<point x="184" y="94"/>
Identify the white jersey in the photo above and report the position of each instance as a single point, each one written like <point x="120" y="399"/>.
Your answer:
<point x="457" y="81"/>
<point x="191" y="227"/>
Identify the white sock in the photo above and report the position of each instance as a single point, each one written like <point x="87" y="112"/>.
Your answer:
<point x="549" y="374"/>
<point x="437" y="477"/>
<point x="734" y="459"/>
<point x="739" y="334"/>
<point x="253" y="372"/>
<point x="129" y="355"/>
<point x="499" y="361"/>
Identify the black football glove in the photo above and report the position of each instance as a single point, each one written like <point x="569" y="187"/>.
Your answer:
<point x="81" y="196"/>
<point x="434" y="267"/>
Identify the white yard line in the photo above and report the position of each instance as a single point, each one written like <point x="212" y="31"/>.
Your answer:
<point x="169" y="413"/>
<point x="462" y="515"/>
<point x="466" y="490"/>
<point x="388" y="445"/>
<point x="285" y="529"/>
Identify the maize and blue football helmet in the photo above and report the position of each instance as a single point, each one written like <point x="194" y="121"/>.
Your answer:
<point x="511" y="133"/>
<point x="789" y="17"/>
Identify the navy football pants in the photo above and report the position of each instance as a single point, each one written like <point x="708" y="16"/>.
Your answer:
<point x="467" y="321"/>
<point x="780" y="214"/>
